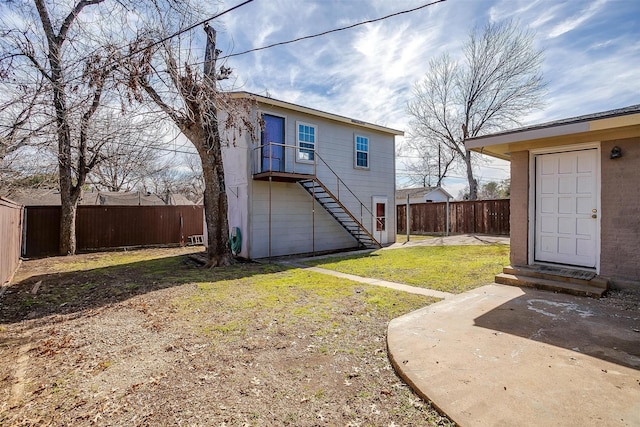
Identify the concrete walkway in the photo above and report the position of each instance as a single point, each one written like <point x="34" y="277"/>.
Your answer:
<point x="502" y="355"/>
<point x="375" y="282"/>
<point x="457" y="240"/>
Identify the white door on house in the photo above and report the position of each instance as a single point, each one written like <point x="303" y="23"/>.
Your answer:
<point x="566" y="208"/>
<point x="381" y="223"/>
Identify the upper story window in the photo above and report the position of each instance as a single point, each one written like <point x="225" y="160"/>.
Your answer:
<point x="306" y="140"/>
<point x="362" y="151"/>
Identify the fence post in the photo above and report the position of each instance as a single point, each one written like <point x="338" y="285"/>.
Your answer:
<point x="407" y="216"/>
<point x="446" y="232"/>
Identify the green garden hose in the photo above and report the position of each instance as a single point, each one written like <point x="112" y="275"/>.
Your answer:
<point x="235" y="240"/>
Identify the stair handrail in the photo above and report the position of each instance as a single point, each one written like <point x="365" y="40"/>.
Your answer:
<point x="362" y="205"/>
<point x="347" y="211"/>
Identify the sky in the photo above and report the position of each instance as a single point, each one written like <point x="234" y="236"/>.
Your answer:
<point x="591" y="49"/>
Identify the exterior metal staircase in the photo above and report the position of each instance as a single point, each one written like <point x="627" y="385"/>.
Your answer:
<point x="337" y="199"/>
<point x="332" y="204"/>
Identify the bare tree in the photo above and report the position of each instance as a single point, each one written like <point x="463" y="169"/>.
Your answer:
<point x="131" y="150"/>
<point x="21" y="103"/>
<point x="53" y="45"/>
<point x="429" y="164"/>
<point x="193" y="102"/>
<point x="185" y="178"/>
<point x="498" y="82"/>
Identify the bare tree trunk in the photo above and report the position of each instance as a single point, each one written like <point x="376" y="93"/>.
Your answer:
<point x="215" y="206"/>
<point x="473" y="183"/>
<point x="215" y="195"/>
<point x="68" y="210"/>
<point x="68" y="205"/>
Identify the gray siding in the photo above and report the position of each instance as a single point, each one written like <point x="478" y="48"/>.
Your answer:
<point x="295" y="228"/>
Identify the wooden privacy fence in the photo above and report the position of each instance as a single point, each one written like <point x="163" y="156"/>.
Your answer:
<point x="103" y="227"/>
<point x="10" y="238"/>
<point x="475" y="216"/>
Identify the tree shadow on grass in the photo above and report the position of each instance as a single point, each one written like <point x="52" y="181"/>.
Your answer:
<point x="69" y="292"/>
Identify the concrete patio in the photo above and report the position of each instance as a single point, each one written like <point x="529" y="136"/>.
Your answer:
<point x="503" y="355"/>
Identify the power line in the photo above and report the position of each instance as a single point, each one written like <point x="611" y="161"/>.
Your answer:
<point x="335" y="30"/>
<point x="189" y="28"/>
<point x="401" y="172"/>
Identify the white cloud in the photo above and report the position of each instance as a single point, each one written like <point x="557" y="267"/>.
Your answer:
<point x="367" y="72"/>
<point x="575" y="21"/>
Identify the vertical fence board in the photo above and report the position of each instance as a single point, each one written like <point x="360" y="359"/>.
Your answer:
<point x="466" y="217"/>
<point x="11" y="215"/>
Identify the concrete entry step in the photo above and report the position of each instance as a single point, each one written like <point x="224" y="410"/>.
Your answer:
<point x="579" y="277"/>
<point x="545" y="281"/>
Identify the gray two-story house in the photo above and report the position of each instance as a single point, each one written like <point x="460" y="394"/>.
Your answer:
<point x="309" y="182"/>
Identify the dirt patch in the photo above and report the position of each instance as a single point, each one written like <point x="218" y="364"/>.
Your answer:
<point x="624" y="299"/>
<point x="150" y="339"/>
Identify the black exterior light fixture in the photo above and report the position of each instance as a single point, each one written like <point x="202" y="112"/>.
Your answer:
<point x="616" y="153"/>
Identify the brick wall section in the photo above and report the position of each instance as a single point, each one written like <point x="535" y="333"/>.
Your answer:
<point x="620" y="211"/>
<point x="519" y="207"/>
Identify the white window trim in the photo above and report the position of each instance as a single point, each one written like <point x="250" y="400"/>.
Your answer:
<point x="355" y="151"/>
<point x="315" y="143"/>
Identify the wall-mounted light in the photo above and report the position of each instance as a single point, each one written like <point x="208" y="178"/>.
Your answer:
<point x="616" y="153"/>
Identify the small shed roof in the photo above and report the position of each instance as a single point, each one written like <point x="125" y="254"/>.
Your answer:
<point x="419" y="192"/>
<point x="590" y="127"/>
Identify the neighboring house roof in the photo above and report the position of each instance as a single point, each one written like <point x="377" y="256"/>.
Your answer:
<point x="283" y="104"/>
<point x="35" y="197"/>
<point x="590" y="126"/>
<point x="46" y="197"/>
<point x="420" y="192"/>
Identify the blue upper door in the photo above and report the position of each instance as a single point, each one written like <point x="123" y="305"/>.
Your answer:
<point x="273" y="144"/>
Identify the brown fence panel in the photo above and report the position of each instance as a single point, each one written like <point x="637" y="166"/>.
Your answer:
<point x="10" y="238"/>
<point x="42" y="230"/>
<point x="477" y="216"/>
<point x="103" y="227"/>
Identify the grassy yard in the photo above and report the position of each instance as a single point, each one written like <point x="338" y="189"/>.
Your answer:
<point x="148" y="338"/>
<point x="444" y="268"/>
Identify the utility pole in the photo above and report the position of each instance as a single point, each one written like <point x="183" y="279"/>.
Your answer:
<point x="439" y="165"/>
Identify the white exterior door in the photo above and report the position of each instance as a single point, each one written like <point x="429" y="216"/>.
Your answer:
<point x="566" y="208"/>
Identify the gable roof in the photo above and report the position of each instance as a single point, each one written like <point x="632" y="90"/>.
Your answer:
<point x="312" y="111"/>
<point x="419" y="192"/>
<point x="589" y="126"/>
